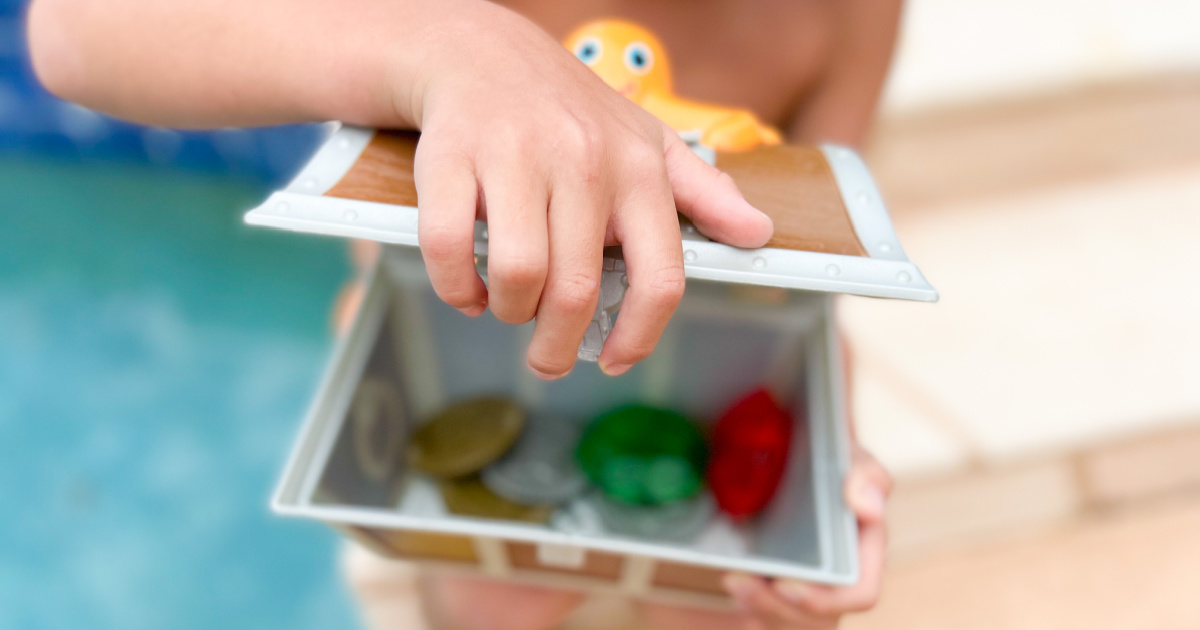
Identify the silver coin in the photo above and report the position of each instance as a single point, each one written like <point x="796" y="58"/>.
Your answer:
<point x="540" y="469"/>
<point x="681" y="521"/>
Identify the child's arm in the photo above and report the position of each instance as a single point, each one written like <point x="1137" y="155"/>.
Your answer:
<point x="514" y="129"/>
<point x="842" y="104"/>
<point x="209" y="63"/>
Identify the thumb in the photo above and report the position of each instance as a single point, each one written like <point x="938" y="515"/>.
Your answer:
<point x="866" y="498"/>
<point x="867" y="487"/>
<point x="710" y="198"/>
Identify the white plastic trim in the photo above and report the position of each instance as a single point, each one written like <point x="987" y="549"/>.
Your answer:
<point x="387" y="518"/>
<point x="706" y="260"/>
<point x="864" y="203"/>
<point x="333" y="160"/>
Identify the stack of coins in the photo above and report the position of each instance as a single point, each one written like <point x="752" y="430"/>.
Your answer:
<point x="493" y="461"/>
<point x="649" y="466"/>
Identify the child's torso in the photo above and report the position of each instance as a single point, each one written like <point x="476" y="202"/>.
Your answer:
<point x="760" y="54"/>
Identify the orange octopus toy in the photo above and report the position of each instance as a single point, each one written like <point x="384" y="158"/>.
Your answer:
<point x="633" y="62"/>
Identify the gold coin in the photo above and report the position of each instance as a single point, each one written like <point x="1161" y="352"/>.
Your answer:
<point x="469" y="497"/>
<point x="465" y="437"/>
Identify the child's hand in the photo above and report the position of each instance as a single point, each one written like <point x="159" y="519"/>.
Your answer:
<point x="788" y="604"/>
<point x="517" y="131"/>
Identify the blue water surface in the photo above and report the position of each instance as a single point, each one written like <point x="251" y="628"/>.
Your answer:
<point x="156" y="357"/>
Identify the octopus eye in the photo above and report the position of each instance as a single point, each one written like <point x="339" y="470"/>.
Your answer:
<point x="589" y="50"/>
<point x="638" y="58"/>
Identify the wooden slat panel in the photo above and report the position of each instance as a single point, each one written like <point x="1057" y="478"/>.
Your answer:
<point x="384" y="171"/>
<point x="428" y="545"/>
<point x="605" y="566"/>
<point x="688" y="577"/>
<point x="795" y="187"/>
<point x="792" y="184"/>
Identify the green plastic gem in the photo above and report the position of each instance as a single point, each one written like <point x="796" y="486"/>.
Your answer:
<point x="666" y="475"/>
<point x="644" y="456"/>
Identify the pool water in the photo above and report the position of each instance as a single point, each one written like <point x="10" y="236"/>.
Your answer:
<point x="156" y="357"/>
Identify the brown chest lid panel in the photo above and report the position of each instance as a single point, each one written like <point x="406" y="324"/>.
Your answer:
<point x="794" y="185"/>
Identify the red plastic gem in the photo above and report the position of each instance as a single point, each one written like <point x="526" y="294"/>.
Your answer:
<point x="749" y="454"/>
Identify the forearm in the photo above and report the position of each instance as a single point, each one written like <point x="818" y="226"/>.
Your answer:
<point x="212" y="63"/>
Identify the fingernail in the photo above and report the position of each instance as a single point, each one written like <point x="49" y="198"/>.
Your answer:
<point x="871" y="500"/>
<point x="615" y="369"/>
<point x="792" y="591"/>
<point x="546" y="376"/>
<point x="739" y="586"/>
<point x="474" y="311"/>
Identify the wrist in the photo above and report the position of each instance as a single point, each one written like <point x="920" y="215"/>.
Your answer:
<point x="464" y="51"/>
<point x="433" y="37"/>
<point x="386" y="56"/>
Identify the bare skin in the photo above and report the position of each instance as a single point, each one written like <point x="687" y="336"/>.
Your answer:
<point x="516" y="130"/>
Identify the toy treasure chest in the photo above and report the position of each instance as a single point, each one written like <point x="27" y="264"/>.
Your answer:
<point x="749" y="320"/>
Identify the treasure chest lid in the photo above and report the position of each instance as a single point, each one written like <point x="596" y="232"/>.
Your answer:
<point x="832" y="231"/>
